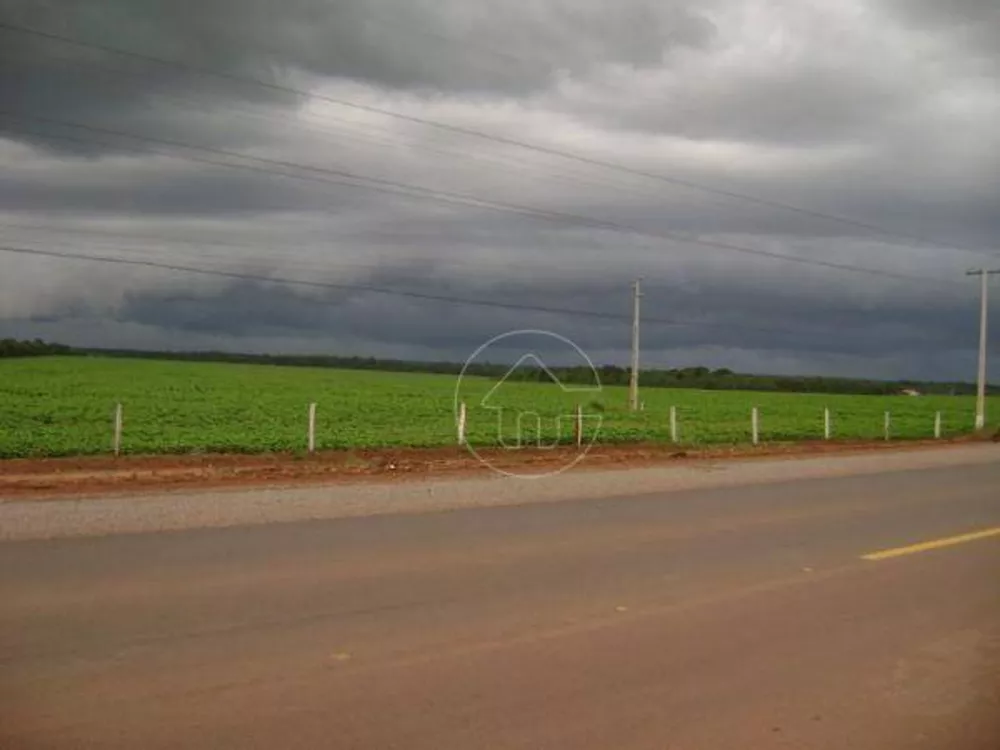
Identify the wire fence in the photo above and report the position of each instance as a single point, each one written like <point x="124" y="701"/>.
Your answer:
<point x="68" y="406"/>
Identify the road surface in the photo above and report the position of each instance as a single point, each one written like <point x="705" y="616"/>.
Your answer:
<point x="842" y="612"/>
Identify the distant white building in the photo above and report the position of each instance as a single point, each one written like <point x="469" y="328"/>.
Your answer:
<point x="910" y="392"/>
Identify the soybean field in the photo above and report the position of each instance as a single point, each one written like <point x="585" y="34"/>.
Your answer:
<point x="64" y="406"/>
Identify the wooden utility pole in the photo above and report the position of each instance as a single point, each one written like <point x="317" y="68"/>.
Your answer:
<point x="633" y="383"/>
<point x="983" y="325"/>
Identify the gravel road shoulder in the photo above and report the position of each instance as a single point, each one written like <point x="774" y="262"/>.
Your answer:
<point x="27" y="519"/>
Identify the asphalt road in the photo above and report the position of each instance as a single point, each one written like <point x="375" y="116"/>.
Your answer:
<point x="737" y="617"/>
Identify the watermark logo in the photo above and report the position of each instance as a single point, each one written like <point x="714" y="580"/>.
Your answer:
<point x="528" y="405"/>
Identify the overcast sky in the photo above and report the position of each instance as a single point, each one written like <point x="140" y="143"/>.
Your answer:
<point x="884" y="112"/>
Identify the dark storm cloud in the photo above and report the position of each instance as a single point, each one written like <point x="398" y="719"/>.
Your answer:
<point x="740" y="327"/>
<point x="730" y="316"/>
<point x="973" y="24"/>
<point x="883" y="111"/>
<point x="216" y="195"/>
<point x="171" y="189"/>
<point x="437" y="46"/>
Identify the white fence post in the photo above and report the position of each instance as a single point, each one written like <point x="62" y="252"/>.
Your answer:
<point x="755" y="424"/>
<point x="827" y="425"/>
<point x="937" y="426"/>
<point x="578" y="427"/>
<point x="674" y="436"/>
<point x="888" y="425"/>
<point x="116" y="440"/>
<point x="312" y="428"/>
<point x="461" y="423"/>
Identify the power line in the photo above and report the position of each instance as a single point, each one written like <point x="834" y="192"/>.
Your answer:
<point x="575" y="178"/>
<point x="472" y="132"/>
<point x="373" y="289"/>
<point x="306" y="283"/>
<point x="379" y="185"/>
<point x="325" y="265"/>
<point x="261" y="255"/>
<point x="418" y="191"/>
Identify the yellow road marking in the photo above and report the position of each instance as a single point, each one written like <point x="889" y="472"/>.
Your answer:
<point x="934" y="544"/>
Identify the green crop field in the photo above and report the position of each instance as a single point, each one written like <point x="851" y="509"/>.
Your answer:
<point x="58" y="406"/>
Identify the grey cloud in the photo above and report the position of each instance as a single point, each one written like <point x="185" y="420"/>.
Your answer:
<point x="645" y="84"/>
<point x="780" y="93"/>
<point x="800" y="105"/>
<point x="216" y="195"/>
<point x="454" y="46"/>
<point x="728" y="315"/>
<point x="974" y="25"/>
<point x="818" y="331"/>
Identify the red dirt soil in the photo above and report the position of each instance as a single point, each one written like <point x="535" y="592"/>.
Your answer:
<point x="22" y="479"/>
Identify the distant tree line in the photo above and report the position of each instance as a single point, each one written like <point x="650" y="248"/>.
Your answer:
<point x="32" y="348"/>
<point x="702" y="378"/>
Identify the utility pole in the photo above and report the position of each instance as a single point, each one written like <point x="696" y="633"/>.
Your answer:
<point x="633" y="383"/>
<point x="984" y="315"/>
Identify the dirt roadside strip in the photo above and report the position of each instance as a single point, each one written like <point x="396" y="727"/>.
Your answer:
<point x="56" y="478"/>
<point x="248" y="506"/>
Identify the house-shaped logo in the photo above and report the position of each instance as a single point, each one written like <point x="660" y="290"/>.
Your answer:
<point x="519" y="428"/>
<point x="530" y="406"/>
